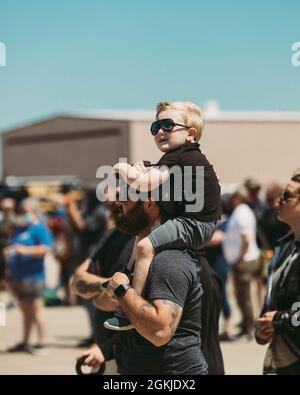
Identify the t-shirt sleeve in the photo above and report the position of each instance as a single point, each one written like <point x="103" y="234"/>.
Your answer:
<point x="169" y="279"/>
<point x="43" y="235"/>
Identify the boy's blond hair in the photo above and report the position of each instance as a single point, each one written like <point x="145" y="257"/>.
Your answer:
<point x="191" y="113"/>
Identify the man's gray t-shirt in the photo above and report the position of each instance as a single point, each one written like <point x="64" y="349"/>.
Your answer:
<point x="172" y="276"/>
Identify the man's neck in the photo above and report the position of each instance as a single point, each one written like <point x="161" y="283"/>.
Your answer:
<point x="144" y="233"/>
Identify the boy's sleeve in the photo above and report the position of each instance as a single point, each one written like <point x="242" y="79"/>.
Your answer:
<point x="181" y="232"/>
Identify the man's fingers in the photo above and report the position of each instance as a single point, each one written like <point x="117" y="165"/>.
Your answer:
<point x="83" y="354"/>
<point x="89" y="359"/>
<point x="95" y="363"/>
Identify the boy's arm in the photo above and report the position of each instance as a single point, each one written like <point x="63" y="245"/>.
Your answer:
<point x="142" y="178"/>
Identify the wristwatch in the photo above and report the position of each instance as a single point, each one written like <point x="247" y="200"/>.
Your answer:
<point x="121" y="290"/>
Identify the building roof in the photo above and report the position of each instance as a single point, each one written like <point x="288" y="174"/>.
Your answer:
<point x="211" y="115"/>
<point x="218" y="115"/>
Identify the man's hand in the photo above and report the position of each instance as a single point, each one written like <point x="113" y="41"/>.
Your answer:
<point x="237" y="265"/>
<point x="94" y="357"/>
<point x="116" y="280"/>
<point x="266" y="328"/>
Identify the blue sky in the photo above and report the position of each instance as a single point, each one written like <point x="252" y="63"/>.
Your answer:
<point x="73" y="54"/>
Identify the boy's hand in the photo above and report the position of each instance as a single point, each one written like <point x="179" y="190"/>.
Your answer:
<point x="127" y="171"/>
<point x="140" y="166"/>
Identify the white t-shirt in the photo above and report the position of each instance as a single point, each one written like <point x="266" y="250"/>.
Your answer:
<point x="241" y="222"/>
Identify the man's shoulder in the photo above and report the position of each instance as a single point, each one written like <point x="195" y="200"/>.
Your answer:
<point x="39" y="228"/>
<point x="175" y="254"/>
<point x="244" y="211"/>
<point x="174" y="260"/>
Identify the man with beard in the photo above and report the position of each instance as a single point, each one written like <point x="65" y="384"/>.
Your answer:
<point x="166" y="338"/>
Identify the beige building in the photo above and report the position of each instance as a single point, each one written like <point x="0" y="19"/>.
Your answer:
<point x="264" y="145"/>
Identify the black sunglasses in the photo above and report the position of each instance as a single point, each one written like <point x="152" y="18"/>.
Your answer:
<point x="166" y="125"/>
<point x="286" y="195"/>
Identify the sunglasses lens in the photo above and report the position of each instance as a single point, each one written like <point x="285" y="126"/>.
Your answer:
<point x="167" y="125"/>
<point x="155" y="128"/>
<point x="286" y="195"/>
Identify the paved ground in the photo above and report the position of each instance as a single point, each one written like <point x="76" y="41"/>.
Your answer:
<point x="67" y="325"/>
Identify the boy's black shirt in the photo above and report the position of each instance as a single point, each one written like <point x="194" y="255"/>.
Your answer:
<point x="190" y="154"/>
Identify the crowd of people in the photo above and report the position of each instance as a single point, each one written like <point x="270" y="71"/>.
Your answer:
<point x="153" y="276"/>
<point x="66" y="226"/>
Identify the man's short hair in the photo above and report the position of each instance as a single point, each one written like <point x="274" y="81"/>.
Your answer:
<point x="191" y="114"/>
<point x="33" y="204"/>
<point x="242" y="193"/>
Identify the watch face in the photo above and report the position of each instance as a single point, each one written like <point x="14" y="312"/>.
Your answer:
<point x="121" y="290"/>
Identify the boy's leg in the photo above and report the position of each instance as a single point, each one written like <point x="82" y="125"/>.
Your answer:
<point x="143" y="258"/>
<point x="175" y="233"/>
<point x="180" y="233"/>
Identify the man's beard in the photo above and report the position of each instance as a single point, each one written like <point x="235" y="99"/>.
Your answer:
<point x="134" y="221"/>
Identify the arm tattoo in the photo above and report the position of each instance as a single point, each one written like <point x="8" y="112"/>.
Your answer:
<point x="83" y="287"/>
<point x="145" y="306"/>
<point x="174" y="309"/>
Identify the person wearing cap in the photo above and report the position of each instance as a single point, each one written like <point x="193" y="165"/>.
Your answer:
<point x="279" y="322"/>
<point x="242" y="253"/>
<point x="253" y="187"/>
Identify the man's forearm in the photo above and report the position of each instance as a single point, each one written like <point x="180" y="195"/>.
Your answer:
<point x="144" y="316"/>
<point x="36" y="251"/>
<point x="87" y="285"/>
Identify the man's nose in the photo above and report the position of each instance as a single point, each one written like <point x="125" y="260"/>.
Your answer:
<point x="118" y="191"/>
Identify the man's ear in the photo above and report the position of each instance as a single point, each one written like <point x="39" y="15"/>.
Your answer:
<point x="192" y="132"/>
<point x="149" y="204"/>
